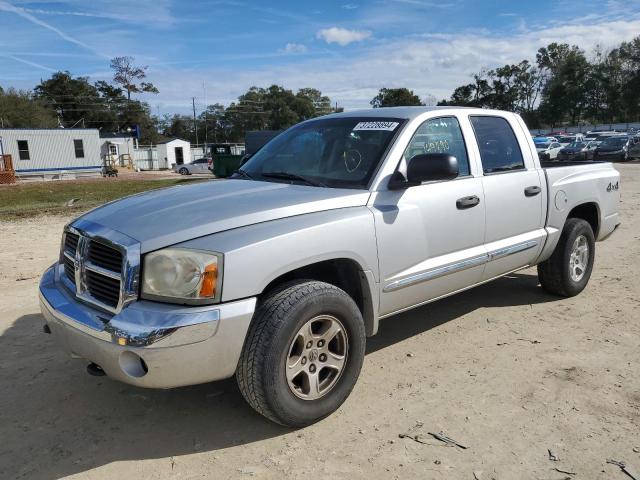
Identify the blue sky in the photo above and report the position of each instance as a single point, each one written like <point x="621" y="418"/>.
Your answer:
<point x="215" y="49"/>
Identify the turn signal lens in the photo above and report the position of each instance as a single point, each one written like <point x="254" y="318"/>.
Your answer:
<point x="209" y="281"/>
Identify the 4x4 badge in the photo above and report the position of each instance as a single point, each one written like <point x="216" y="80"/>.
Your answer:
<point x="612" y="186"/>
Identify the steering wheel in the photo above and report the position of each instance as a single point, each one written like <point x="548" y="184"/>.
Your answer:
<point x="352" y="160"/>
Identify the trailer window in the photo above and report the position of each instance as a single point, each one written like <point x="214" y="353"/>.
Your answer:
<point x="23" y="150"/>
<point x="79" y="148"/>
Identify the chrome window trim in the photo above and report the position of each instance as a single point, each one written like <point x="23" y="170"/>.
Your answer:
<point x="129" y="276"/>
<point x="458" y="266"/>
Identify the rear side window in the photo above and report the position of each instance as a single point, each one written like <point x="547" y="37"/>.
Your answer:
<point x="499" y="147"/>
<point x="440" y="135"/>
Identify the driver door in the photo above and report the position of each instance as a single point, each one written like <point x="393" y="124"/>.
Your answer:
<point x="430" y="241"/>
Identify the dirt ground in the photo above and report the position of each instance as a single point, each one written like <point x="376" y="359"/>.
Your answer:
<point x="505" y="369"/>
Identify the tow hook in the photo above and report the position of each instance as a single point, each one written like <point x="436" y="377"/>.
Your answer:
<point x="95" y="370"/>
<point x="46" y="329"/>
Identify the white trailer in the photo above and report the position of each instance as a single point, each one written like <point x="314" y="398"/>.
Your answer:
<point x="53" y="153"/>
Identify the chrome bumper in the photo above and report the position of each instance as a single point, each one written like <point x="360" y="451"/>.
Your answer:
<point x="149" y="344"/>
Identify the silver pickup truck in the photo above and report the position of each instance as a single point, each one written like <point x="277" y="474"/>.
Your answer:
<point x="279" y="274"/>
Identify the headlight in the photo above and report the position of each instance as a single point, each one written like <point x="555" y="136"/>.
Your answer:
<point x="181" y="275"/>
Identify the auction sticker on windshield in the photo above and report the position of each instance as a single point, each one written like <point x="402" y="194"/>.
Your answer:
<point x="388" y="126"/>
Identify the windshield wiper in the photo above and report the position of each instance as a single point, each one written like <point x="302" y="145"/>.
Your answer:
<point x="293" y="176"/>
<point x="243" y="174"/>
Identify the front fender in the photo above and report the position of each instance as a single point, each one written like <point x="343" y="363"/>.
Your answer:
<point x="256" y="255"/>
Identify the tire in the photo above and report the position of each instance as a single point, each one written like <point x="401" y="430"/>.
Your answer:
<point x="564" y="274"/>
<point x="274" y="342"/>
<point x="183" y="171"/>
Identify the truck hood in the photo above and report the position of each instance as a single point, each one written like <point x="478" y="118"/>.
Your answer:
<point x="168" y="216"/>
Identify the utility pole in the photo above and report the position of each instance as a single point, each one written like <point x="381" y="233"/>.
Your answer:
<point x="195" y="124"/>
<point x="206" y="126"/>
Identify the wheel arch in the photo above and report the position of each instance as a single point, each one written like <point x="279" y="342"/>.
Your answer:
<point x="346" y="274"/>
<point x="589" y="212"/>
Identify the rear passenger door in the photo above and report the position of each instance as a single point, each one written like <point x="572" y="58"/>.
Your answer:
<point x="513" y="193"/>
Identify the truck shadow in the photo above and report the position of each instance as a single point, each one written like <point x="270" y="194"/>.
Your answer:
<point x="55" y="420"/>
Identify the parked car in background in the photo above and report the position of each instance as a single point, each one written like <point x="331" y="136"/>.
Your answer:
<point x="570" y="138"/>
<point x="578" y="151"/>
<point x="548" y="151"/>
<point x="201" y="165"/>
<point x="621" y="148"/>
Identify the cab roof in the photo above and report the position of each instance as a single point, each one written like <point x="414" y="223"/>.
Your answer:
<point x="408" y="113"/>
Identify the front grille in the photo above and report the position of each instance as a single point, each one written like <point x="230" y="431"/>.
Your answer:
<point x="71" y="243"/>
<point x="104" y="289"/>
<point x="100" y="266"/>
<point x="105" y="257"/>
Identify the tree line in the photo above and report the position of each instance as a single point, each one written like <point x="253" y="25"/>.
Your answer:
<point x="564" y="85"/>
<point x="71" y="101"/>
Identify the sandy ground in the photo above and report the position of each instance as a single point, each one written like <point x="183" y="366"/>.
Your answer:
<point x="504" y="369"/>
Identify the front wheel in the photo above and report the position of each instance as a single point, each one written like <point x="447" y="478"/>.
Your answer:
<point x="183" y="171"/>
<point x="303" y="353"/>
<point x="567" y="271"/>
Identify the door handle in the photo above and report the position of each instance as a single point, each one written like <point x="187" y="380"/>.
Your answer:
<point x="532" y="191"/>
<point x="467" y="202"/>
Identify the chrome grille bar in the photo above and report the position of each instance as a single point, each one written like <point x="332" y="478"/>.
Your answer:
<point x="101" y="265"/>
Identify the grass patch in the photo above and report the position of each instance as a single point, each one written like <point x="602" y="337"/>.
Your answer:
<point x="31" y="199"/>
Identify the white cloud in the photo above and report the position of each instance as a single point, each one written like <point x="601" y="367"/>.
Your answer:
<point x="294" y="48"/>
<point x="429" y="64"/>
<point x="342" y="36"/>
<point x="349" y="6"/>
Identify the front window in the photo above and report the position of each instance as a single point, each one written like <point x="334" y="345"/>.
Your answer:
<point x="576" y="145"/>
<point x="543" y="145"/>
<point x="440" y="135"/>
<point x="333" y="152"/>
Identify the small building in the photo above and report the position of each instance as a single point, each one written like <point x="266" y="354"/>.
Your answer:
<point x="117" y="146"/>
<point x="174" y="151"/>
<point x="50" y="153"/>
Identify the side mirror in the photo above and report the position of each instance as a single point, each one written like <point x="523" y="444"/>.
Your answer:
<point x="426" y="167"/>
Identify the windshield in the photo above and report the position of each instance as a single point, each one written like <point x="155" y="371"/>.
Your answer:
<point x="566" y="139"/>
<point x="542" y="145"/>
<point x="333" y="152"/>
<point x="614" y="142"/>
<point x="576" y="145"/>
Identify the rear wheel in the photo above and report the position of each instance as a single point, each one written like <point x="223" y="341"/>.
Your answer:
<point x="567" y="271"/>
<point x="303" y="353"/>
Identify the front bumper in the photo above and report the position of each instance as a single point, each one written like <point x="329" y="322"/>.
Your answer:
<point x="149" y="344"/>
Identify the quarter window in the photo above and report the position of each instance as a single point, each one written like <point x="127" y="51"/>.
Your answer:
<point x="79" y="148"/>
<point x="499" y="147"/>
<point x="440" y="135"/>
<point x="23" y="150"/>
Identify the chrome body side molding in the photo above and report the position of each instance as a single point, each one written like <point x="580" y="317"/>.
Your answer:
<point x="458" y="266"/>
